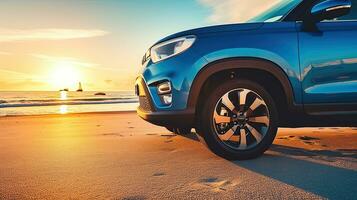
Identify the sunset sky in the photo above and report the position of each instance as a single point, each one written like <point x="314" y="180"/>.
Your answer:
<point x="50" y="45"/>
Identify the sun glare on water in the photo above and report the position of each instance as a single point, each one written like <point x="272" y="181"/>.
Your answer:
<point x="63" y="109"/>
<point x="65" y="75"/>
<point x="63" y="95"/>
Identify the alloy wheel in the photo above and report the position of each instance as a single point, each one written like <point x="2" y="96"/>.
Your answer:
<point x="241" y="119"/>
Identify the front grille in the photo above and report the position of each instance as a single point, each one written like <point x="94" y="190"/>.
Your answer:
<point x="141" y="90"/>
<point x="145" y="103"/>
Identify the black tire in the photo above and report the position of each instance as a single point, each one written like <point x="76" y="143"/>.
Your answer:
<point x="207" y="127"/>
<point x="179" y="131"/>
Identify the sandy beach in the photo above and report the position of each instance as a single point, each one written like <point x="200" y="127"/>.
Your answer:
<point x="120" y="156"/>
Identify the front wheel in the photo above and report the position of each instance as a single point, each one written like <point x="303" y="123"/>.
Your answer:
<point x="238" y="120"/>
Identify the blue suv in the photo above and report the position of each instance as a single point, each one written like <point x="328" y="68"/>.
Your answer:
<point x="294" y="65"/>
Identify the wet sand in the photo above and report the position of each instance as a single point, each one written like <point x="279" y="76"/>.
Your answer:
<point x="119" y="156"/>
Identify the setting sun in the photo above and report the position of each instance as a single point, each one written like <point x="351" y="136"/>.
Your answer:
<point x="65" y="75"/>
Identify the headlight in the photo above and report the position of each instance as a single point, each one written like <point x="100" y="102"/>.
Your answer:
<point x="171" y="48"/>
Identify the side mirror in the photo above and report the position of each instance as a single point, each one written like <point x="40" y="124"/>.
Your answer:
<point x="330" y="9"/>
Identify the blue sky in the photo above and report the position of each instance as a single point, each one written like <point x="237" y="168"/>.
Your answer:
<point x="99" y="42"/>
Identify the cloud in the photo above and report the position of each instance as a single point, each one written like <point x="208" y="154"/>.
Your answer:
<point x="13" y="35"/>
<point x="26" y="84"/>
<point x="232" y="11"/>
<point x="11" y="74"/>
<point x="72" y="61"/>
<point x="69" y="60"/>
<point x="7" y="72"/>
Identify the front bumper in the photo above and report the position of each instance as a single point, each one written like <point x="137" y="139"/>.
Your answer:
<point x="183" y="118"/>
<point x="168" y="118"/>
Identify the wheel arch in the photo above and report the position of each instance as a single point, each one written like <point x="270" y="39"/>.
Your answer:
<point x="233" y="65"/>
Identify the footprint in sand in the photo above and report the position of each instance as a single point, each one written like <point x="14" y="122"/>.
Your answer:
<point x="112" y="134"/>
<point x="307" y="138"/>
<point x="159" y="174"/>
<point x="131" y="127"/>
<point x="151" y="134"/>
<point x="216" y="185"/>
<point x="169" y="149"/>
<point x="168" y="141"/>
<point x="310" y="140"/>
<point x="168" y="135"/>
<point x="288" y="137"/>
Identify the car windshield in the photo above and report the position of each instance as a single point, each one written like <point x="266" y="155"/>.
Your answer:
<point x="276" y="12"/>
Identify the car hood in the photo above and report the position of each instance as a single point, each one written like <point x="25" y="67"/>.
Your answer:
<point x="215" y="29"/>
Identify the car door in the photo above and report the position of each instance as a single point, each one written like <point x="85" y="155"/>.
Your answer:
<point x="328" y="61"/>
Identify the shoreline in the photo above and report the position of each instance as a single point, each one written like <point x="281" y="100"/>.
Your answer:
<point x="47" y="103"/>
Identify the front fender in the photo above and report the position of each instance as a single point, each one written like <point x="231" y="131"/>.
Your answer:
<point x="219" y="65"/>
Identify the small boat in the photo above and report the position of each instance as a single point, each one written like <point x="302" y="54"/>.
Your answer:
<point x="79" y="87"/>
<point x="100" y="94"/>
<point x="65" y="90"/>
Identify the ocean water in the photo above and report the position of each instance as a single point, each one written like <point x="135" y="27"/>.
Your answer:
<point x="62" y="102"/>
